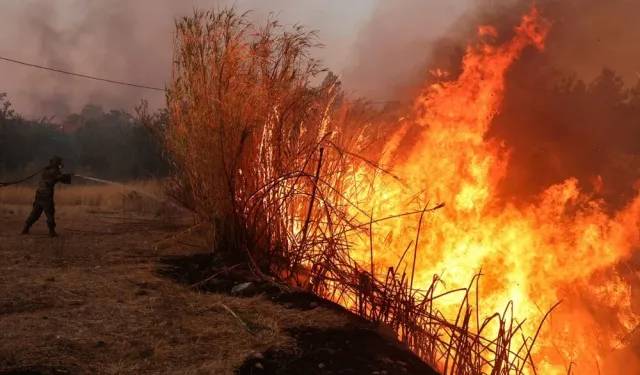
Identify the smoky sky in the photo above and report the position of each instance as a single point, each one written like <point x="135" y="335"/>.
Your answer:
<point x="380" y="48"/>
<point x="404" y="39"/>
<point x="130" y="41"/>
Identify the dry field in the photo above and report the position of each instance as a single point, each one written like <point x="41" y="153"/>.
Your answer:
<point x="135" y="197"/>
<point x="93" y="302"/>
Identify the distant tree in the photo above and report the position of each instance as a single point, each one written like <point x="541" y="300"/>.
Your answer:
<point x="559" y="126"/>
<point x="12" y="142"/>
<point x="109" y="144"/>
<point x="607" y="90"/>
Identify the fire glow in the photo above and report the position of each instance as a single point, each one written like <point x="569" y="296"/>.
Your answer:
<point x="529" y="254"/>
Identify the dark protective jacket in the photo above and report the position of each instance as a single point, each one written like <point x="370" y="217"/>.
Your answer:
<point x="50" y="177"/>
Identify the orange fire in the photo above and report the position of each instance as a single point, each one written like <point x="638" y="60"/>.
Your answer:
<point x="560" y="247"/>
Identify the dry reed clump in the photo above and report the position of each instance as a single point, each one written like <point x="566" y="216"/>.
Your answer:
<point x="243" y="115"/>
<point x="133" y="197"/>
<point x="268" y="158"/>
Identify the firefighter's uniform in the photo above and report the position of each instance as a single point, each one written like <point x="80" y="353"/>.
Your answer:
<point x="43" y="201"/>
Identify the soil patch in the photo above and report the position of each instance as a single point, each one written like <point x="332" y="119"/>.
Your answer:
<point x="89" y="303"/>
<point x="337" y="351"/>
<point x="207" y="273"/>
<point x="37" y="370"/>
<point x="92" y="302"/>
<point x="357" y="349"/>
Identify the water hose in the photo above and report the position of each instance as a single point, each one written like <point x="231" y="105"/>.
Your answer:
<point x="5" y="184"/>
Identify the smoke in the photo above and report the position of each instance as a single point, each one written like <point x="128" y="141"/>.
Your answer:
<point x="106" y="40"/>
<point x="587" y="35"/>
<point x="582" y="133"/>
<point x="551" y="141"/>
<point x="585" y="133"/>
<point x="403" y="40"/>
<point x="382" y="49"/>
<point x="398" y="42"/>
<point x="129" y="41"/>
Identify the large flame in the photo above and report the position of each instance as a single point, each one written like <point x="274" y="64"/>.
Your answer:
<point x="533" y="254"/>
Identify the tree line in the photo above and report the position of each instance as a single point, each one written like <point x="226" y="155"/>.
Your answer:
<point x="557" y="125"/>
<point x="105" y="144"/>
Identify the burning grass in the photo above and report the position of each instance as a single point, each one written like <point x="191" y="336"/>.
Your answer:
<point x="296" y="180"/>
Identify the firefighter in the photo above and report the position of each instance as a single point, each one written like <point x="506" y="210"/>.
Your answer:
<point x="43" y="201"/>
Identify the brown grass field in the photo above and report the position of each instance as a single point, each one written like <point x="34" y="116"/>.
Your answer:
<point x="133" y="198"/>
<point x="90" y="302"/>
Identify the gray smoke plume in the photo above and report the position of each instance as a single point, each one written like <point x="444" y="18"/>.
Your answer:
<point x="399" y="41"/>
<point x="380" y="48"/>
<point x="129" y="41"/>
<point x="404" y="39"/>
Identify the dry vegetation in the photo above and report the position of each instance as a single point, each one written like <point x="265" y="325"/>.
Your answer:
<point x="137" y="197"/>
<point x="265" y="156"/>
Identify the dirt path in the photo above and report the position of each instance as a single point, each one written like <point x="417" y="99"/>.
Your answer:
<point x="90" y="302"/>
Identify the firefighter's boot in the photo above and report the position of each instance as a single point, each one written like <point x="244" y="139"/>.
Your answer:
<point x="52" y="231"/>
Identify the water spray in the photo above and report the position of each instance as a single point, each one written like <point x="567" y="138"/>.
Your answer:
<point x="117" y="184"/>
<point x="149" y="195"/>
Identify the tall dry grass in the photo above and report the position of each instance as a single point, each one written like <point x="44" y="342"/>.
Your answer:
<point x="136" y="197"/>
<point x="243" y="114"/>
<point x="268" y="158"/>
